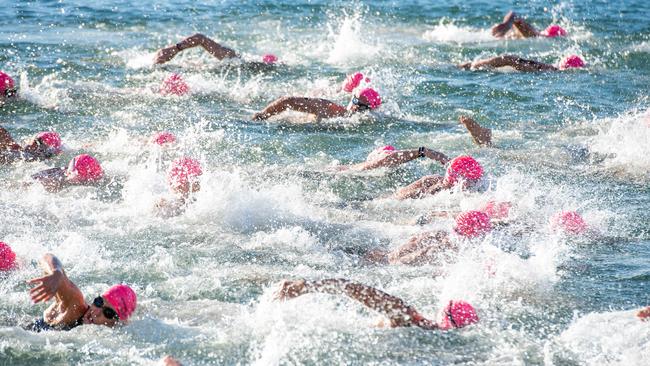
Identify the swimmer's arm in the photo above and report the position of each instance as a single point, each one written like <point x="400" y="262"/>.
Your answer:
<point x="524" y="29"/>
<point x="322" y="108"/>
<point x="430" y="184"/>
<point x="55" y="283"/>
<point x="401" y="157"/>
<point x="515" y="62"/>
<point x="7" y="142"/>
<point x="52" y="179"/>
<point x="215" y="49"/>
<point x="399" y="313"/>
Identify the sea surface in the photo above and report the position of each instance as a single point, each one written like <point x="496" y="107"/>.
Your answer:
<point x="273" y="206"/>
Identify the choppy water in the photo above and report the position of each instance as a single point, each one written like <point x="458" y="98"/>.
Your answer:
<point x="271" y="208"/>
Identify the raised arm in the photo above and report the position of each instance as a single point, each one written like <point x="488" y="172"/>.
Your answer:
<point x="55" y="283"/>
<point x="322" y="108"/>
<point x="515" y="62"/>
<point x="401" y="157"/>
<point x="399" y="313"/>
<point x="215" y="49"/>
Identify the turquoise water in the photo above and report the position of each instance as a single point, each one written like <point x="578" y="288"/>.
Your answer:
<point x="271" y="206"/>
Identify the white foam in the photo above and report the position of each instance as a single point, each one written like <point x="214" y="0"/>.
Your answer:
<point x="447" y="32"/>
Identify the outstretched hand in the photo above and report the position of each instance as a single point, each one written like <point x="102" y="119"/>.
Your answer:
<point x="165" y="54"/>
<point x="46" y="288"/>
<point x="289" y="289"/>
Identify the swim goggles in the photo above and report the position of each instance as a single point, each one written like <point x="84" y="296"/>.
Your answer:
<point x="108" y="312"/>
<point x="10" y="93"/>
<point x="449" y="316"/>
<point x="362" y="106"/>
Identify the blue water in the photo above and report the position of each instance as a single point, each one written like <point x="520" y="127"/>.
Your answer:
<point x="271" y="206"/>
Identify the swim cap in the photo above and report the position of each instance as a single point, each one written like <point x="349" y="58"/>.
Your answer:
<point x="174" y="84"/>
<point x="465" y="167"/>
<point x="164" y="137"/>
<point x="183" y="172"/>
<point x="7" y="257"/>
<point x="571" y="62"/>
<point x="373" y="98"/>
<point x="497" y="210"/>
<point x="457" y="314"/>
<point x="6" y="82"/>
<point x="553" y="31"/>
<point x="51" y="139"/>
<point x="352" y="81"/>
<point x="568" y="221"/>
<point x="123" y="299"/>
<point x="270" y="59"/>
<point x="380" y="152"/>
<point x="85" y="169"/>
<point x="471" y="224"/>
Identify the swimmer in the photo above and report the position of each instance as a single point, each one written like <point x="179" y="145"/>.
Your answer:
<point x="456" y="314"/>
<point x="644" y="314"/>
<point x="8" y="90"/>
<point x="365" y="100"/>
<point x="428" y="247"/>
<point x="43" y="146"/>
<point x="183" y="180"/>
<point x="353" y="81"/>
<point x="7" y="258"/>
<point x="388" y="157"/>
<point x="83" y="170"/>
<point x="215" y="49"/>
<point x="521" y="64"/>
<point x="499" y="213"/>
<point x="515" y="27"/>
<point x="462" y="170"/>
<point x="69" y="309"/>
<point x="170" y="361"/>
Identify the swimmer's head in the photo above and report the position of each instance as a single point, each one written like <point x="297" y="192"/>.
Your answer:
<point x="174" y="84"/>
<point x="7" y="257"/>
<point x="122" y="299"/>
<point x="45" y="145"/>
<point x="352" y="81"/>
<point x="472" y="224"/>
<point x="457" y="314"/>
<point x="497" y="210"/>
<point x="183" y="176"/>
<point x="553" y="31"/>
<point x="380" y="152"/>
<point x="570" y="222"/>
<point x="7" y="86"/>
<point x="572" y="61"/>
<point x="464" y="168"/>
<point x="366" y="99"/>
<point x="270" y="59"/>
<point x="162" y="138"/>
<point x="84" y="169"/>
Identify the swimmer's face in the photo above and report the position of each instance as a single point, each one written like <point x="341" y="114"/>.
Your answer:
<point x="100" y="312"/>
<point x="38" y="148"/>
<point x="187" y="187"/>
<point x="358" y="104"/>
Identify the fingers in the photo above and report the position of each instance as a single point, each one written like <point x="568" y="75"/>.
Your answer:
<point x="41" y="297"/>
<point x="37" y="279"/>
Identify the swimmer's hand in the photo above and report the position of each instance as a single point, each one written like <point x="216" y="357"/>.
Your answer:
<point x="260" y="116"/>
<point x="47" y="286"/>
<point x="644" y="314"/>
<point x="170" y="361"/>
<point x="165" y="54"/>
<point x="465" y="66"/>
<point x="290" y="289"/>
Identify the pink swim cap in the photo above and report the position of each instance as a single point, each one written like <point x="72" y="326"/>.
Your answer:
<point x="471" y="224"/>
<point x="270" y="59"/>
<point x="380" y="152"/>
<point x="123" y="299"/>
<point x="497" y="210"/>
<point x="51" y="139"/>
<point x="465" y="167"/>
<point x="174" y="84"/>
<point x="85" y="169"/>
<point x="162" y="138"/>
<point x="572" y="61"/>
<point x="553" y="31"/>
<point x="568" y="221"/>
<point x="183" y="172"/>
<point x="352" y="81"/>
<point x="7" y="257"/>
<point x="6" y="82"/>
<point x="373" y="98"/>
<point x="457" y="314"/>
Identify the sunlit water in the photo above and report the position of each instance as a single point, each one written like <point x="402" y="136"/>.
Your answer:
<point x="271" y="206"/>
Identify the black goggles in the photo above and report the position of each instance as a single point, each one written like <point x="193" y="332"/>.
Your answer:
<point x="362" y="106"/>
<point x="10" y="93"/>
<point x="449" y="316"/>
<point x="108" y="312"/>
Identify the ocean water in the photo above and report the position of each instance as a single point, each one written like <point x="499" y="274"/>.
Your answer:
<point x="272" y="206"/>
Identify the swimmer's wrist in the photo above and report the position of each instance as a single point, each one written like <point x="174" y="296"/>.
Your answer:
<point x="179" y="46"/>
<point x="422" y="152"/>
